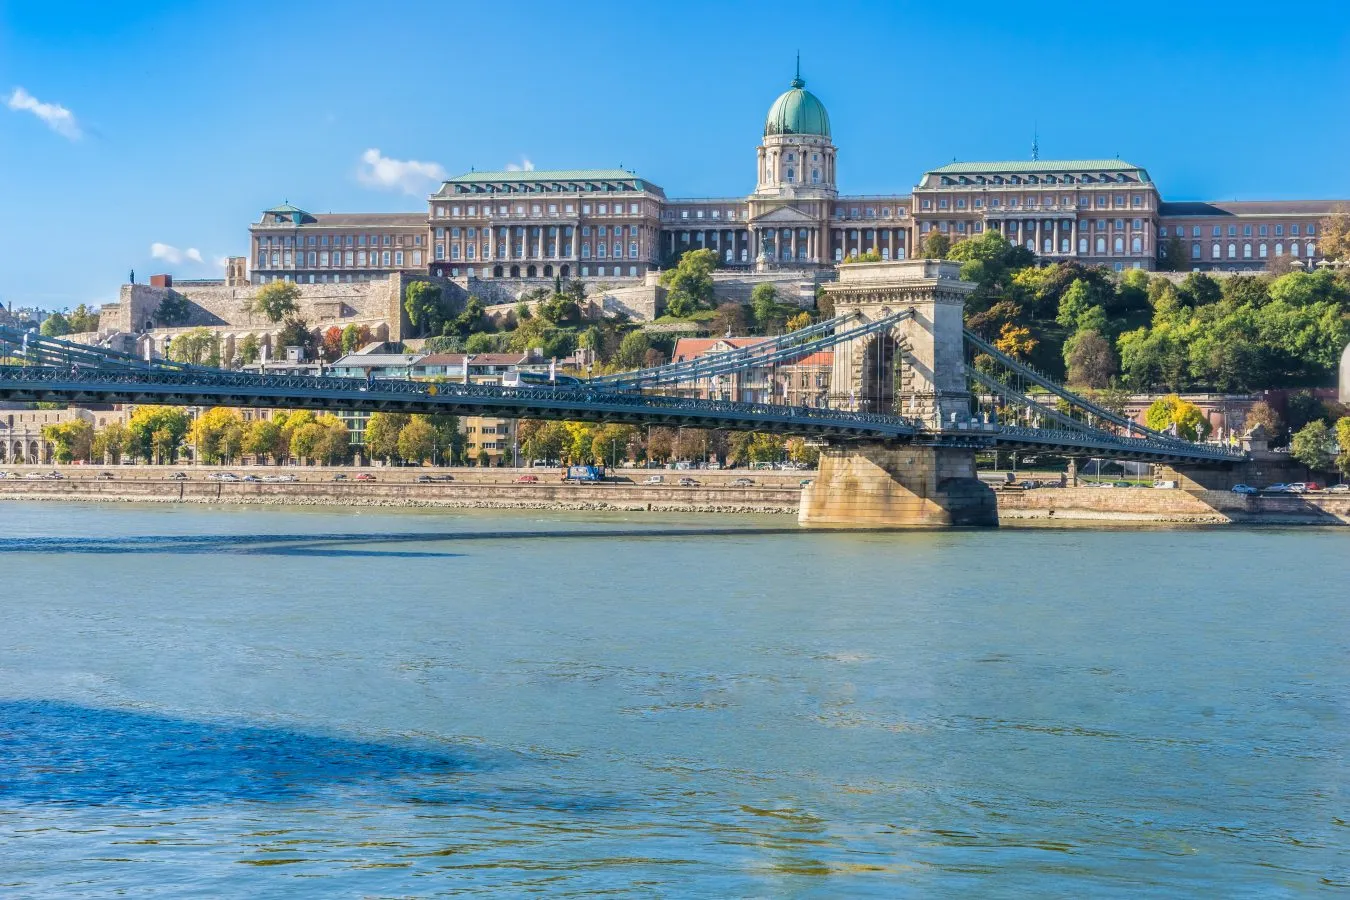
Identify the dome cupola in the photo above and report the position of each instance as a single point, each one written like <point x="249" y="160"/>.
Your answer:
<point x="797" y="111"/>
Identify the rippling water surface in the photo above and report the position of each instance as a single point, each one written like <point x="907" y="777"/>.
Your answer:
<point x="275" y="703"/>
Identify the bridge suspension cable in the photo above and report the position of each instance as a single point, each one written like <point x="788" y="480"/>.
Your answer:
<point x="768" y="353"/>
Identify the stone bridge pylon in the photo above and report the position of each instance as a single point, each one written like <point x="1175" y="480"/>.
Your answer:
<point x="916" y="370"/>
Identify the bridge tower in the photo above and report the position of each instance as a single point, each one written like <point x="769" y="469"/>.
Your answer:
<point x="916" y="370"/>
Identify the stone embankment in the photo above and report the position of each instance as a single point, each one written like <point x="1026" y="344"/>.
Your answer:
<point x="773" y="492"/>
<point x="402" y="489"/>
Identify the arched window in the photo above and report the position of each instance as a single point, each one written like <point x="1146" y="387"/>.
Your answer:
<point x="1232" y="251"/>
<point x="1101" y="246"/>
<point x="791" y="173"/>
<point x="1195" y="251"/>
<point x="1082" y="245"/>
<point x="1246" y="251"/>
<point x="1293" y="248"/>
<point x="1312" y="249"/>
<point x="1137" y="245"/>
<point x="1279" y="248"/>
<point x="815" y="176"/>
<point x="1215" y="252"/>
<point x="1261" y="250"/>
<point x="1119" y="245"/>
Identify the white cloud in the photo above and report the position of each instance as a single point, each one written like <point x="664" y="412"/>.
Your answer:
<point x="171" y="254"/>
<point x="407" y="175"/>
<point x="220" y="261"/>
<point x="523" y="166"/>
<point x="57" y="117"/>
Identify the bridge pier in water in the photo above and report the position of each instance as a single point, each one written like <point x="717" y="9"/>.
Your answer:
<point x="884" y="485"/>
<point x="916" y="370"/>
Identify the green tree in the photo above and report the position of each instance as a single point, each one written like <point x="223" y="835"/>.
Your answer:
<point x="764" y="302"/>
<point x="110" y="442"/>
<point x="382" y="431"/>
<point x="868" y="256"/>
<point x="198" y="347"/>
<point x="354" y="337"/>
<point x="425" y="307"/>
<point x="632" y="352"/>
<point x="83" y="320"/>
<point x="296" y="333"/>
<point x="156" y="432"/>
<point x="70" y="440"/>
<point x="250" y="349"/>
<point x="936" y="245"/>
<point x="471" y="319"/>
<point x="416" y="440"/>
<point x="173" y="309"/>
<point x="1312" y="446"/>
<point x="541" y="441"/>
<point x="689" y="286"/>
<point x="55" y="325"/>
<point x="1172" y="255"/>
<point x="1343" y="443"/>
<point x="276" y="300"/>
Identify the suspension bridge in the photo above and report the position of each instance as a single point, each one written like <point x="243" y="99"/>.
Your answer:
<point x="913" y="395"/>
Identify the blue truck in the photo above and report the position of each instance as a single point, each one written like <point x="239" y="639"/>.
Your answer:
<point x="585" y="473"/>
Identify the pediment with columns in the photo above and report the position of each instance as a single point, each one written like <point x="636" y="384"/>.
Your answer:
<point x="784" y="217"/>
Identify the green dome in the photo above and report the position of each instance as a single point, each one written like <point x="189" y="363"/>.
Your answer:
<point x="797" y="111"/>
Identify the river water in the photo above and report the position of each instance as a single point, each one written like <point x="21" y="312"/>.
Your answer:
<point x="332" y="703"/>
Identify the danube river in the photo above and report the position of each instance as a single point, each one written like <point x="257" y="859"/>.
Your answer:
<point x="278" y="703"/>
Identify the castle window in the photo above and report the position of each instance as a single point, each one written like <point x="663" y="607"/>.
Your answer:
<point x="1279" y="250"/>
<point x="791" y="173"/>
<point x="1246" y="251"/>
<point x="815" y="176"/>
<point x="1136" y="245"/>
<point x="1232" y="251"/>
<point x="1195" y="250"/>
<point x="1293" y="230"/>
<point x="1261" y="250"/>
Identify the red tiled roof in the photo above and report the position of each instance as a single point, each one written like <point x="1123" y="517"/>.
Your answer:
<point x="693" y="348"/>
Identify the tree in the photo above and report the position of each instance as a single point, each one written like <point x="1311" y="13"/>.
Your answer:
<point x="354" y="337"/>
<point x="1090" y="359"/>
<point x="799" y="321"/>
<point x="296" y="333"/>
<point x="471" y="319"/>
<point x="936" y="245"/>
<point x="1335" y="228"/>
<point x="382" y="431"/>
<point x="1312" y="446"/>
<point x="425" y="307"/>
<point x="332" y="343"/>
<point x="70" y="440"/>
<point x="1016" y="341"/>
<point x="730" y="319"/>
<point x="632" y="350"/>
<point x="262" y="439"/>
<point x="157" y="431"/>
<point x="250" y="349"/>
<point x="1189" y="421"/>
<point x="824" y="303"/>
<point x="198" y="347"/>
<point x="217" y="434"/>
<point x="83" y="320"/>
<point x="689" y="285"/>
<point x="276" y="300"/>
<point x="110" y="442"/>
<point x="867" y="257"/>
<point x="1264" y="415"/>
<point x="173" y="309"/>
<point x="541" y="441"/>
<point x="1343" y="442"/>
<point x="764" y="302"/>
<point x="55" y="325"/>
<point x="1172" y="255"/>
<point x="415" y="440"/>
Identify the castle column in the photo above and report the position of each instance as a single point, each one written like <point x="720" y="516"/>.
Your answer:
<point x="794" y="244"/>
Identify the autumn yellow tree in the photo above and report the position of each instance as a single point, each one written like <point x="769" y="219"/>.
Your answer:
<point x="1335" y="242"/>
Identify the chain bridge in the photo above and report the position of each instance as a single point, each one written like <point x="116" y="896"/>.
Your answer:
<point x="913" y="395"/>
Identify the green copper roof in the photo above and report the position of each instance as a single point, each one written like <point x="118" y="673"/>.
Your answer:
<point x="797" y="111"/>
<point x="1036" y="166"/>
<point x="545" y="175"/>
<point x="284" y="208"/>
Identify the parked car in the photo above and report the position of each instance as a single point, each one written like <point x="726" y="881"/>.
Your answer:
<point x="228" y="476"/>
<point x="1277" y="489"/>
<point x="424" y="479"/>
<point x="251" y="478"/>
<point x="178" y="476"/>
<point x="1341" y="488"/>
<point x="1313" y="486"/>
<point x="106" y="476"/>
<point x="340" y="476"/>
<point x="55" y="476"/>
<point x="743" y="482"/>
<point x="689" y="482"/>
<point x="1244" y="489"/>
<point x="1298" y="487"/>
<point x="35" y="475"/>
<point x="528" y="479"/>
<point x="365" y="476"/>
<point x="655" y="479"/>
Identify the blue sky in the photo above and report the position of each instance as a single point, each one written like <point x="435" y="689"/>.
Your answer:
<point x="148" y="135"/>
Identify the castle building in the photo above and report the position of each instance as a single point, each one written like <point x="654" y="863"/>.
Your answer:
<point x="616" y="225"/>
